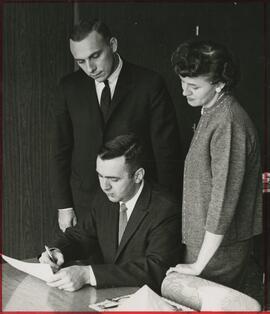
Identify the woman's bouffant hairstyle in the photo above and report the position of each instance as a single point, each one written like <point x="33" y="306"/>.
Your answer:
<point x="196" y="58"/>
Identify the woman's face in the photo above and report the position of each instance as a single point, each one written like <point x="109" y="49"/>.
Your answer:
<point x="199" y="91"/>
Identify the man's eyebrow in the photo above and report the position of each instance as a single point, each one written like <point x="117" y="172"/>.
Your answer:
<point x="80" y="59"/>
<point x="108" y="177"/>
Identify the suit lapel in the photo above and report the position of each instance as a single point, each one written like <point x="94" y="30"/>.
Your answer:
<point x="89" y="95"/>
<point x="111" y="227"/>
<point x="123" y="86"/>
<point x="139" y="212"/>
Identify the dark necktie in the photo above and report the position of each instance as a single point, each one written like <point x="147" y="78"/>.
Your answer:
<point x="105" y="99"/>
<point x="122" y="221"/>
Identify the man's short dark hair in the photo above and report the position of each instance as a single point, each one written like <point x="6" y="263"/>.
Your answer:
<point x="85" y="27"/>
<point x="128" y="146"/>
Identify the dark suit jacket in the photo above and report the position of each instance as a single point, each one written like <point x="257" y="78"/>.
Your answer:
<point x="140" y="104"/>
<point x="150" y="244"/>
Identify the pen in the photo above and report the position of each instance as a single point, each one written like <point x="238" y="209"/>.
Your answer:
<point x="50" y="254"/>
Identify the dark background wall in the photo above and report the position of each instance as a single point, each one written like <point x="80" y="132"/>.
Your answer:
<point x="36" y="55"/>
<point x="149" y="32"/>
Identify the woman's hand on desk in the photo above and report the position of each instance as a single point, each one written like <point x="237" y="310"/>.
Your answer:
<point x="187" y="269"/>
<point x="70" y="278"/>
<point x="58" y="259"/>
<point x="211" y="243"/>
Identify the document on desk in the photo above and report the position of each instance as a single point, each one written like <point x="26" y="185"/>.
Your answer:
<point x="144" y="299"/>
<point x="41" y="271"/>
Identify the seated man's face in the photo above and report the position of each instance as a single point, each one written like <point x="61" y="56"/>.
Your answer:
<point x="115" y="179"/>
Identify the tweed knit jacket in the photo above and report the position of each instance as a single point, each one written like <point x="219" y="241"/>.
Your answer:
<point x="222" y="176"/>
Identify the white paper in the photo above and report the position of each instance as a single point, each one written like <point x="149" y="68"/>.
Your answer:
<point x="142" y="300"/>
<point x="145" y="299"/>
<point x="41" y="271"/>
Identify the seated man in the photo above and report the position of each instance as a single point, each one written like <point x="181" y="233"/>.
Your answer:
<point x="131" y="235"/>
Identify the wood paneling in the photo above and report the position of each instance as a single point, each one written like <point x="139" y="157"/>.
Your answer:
<point x="35" y="55"/>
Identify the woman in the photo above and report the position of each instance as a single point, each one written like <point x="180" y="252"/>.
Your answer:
<point x="222" y="202"/>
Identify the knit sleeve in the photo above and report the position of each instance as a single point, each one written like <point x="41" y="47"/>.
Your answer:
<point x="228" y="149"/>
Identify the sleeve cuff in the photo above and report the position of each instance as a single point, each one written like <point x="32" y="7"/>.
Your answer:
<point x="65" y="209"/>
<point x="93" y="281"/>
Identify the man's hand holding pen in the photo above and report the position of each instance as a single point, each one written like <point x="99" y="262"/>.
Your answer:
<point x="53" y="257"/>
<point x="70" y="278"/>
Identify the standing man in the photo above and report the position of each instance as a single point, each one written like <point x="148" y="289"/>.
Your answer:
<point x="132" y="231"/>
<point x="106" y="97"/>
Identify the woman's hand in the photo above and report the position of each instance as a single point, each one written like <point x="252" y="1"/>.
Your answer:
<point x="211" y="243"/>
<point x="188" y="269"/>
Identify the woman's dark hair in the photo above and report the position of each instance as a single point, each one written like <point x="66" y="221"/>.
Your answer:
<point x="128" y="146"/>
<point x="196" y="58"/>
<point x="85" y="27"/>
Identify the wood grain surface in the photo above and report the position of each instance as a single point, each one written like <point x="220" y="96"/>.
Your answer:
<point x="22" y="292"/>
<point x="36" y="54"/>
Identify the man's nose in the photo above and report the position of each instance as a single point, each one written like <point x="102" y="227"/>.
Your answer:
<point x="106" y="184"/>
<point x="90" y="66"/>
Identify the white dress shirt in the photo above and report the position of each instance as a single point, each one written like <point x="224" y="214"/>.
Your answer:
<point x="112" y="79"/>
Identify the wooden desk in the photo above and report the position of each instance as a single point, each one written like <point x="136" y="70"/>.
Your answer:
<point x="21" y="292"/>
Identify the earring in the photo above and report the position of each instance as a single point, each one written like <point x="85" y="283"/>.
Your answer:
<point x="218" y="89"/>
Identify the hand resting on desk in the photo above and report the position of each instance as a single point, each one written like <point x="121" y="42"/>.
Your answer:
<point x="188" y="269"/>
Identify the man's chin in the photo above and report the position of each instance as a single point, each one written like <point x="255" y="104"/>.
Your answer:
<point x="99" y="79"/>
<point x="112" y="198"/>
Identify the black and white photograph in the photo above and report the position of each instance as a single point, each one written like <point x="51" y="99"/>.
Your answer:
<point x="135" y="156"/>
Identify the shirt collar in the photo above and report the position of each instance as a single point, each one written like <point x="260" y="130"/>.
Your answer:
<point x="114" y="76"/>
<point x="132" y="202"/>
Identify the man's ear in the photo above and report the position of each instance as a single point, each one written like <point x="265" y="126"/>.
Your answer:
<point x="139" y="175"/>
<point x="113" y="44"/>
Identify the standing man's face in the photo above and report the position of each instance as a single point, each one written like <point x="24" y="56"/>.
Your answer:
<point x="115" y="179"/>
<point x="95" y="56"/>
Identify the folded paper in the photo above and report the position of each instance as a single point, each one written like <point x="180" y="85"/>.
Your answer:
<point x="145" y="299"/>
<point x="41" y="271"/>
